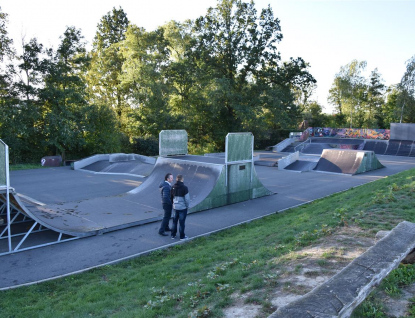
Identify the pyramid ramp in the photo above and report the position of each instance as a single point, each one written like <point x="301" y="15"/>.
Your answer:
<point x="347" y="161"/>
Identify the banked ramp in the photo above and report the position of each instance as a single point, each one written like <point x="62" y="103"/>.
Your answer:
<point x="208" y="179"/>
<point x="347" y="161"/>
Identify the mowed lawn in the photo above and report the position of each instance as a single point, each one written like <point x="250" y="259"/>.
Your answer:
<point x="200" y="278"/>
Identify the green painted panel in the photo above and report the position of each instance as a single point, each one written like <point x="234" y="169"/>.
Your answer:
<point x="239" y="188"/>
<point x="239" y="181"/>
<point x="217" y="197"/>
<point x="239" y="146"/>
<point x="258" y="189"/>
<point x="369" y="162"/>
<point x="173" y="142"/>
<point x="3" y="164"/>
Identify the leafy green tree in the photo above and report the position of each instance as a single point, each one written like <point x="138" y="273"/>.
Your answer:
<point x="6" y="50"/>
<point x="313" y="113"/>
<point x="146" y="61"/>
<point x="407" y="87"/>
<point x="104" y="75"/>
<point x="375" y="100"/>
<point x="6" y="43"/>
<point x="100" y="130"/>
<point x="12" y="123"/>
<point x="349" y="92"/>
<point x="27" y="81"/>
<point x="231" y="44"/>
<point x="390" y="112"/>
<point x="64" y="98"/>
<point x="31" y="69"/>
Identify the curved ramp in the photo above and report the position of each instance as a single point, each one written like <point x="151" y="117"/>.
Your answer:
<point x="119" y="163"/>
<point x="205" y="177"/>
<point x="347" y="161"/>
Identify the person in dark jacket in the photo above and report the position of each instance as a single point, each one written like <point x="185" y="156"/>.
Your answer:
<point x="166" y="201"/>
<point x="181" y="200"/>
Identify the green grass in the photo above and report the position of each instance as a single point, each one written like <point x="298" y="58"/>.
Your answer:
<point x="391" y="286"/>
<point x="198" y="279"/>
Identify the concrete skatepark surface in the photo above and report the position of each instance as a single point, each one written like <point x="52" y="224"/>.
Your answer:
<point x="86" y="217"/>
<point x="62" y="259"/>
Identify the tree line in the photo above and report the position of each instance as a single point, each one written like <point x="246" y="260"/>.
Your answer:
<point x="219" y="73"/>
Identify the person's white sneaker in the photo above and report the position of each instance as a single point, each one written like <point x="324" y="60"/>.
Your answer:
<point x="184" y="238"/>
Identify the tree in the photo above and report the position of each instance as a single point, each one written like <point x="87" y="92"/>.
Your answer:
<point x="104" y="75"/>
<point x="349" y="91"/>
<point x="64" y="98"/>
<point x="31" y="70"/>
<point x="231" y="45"/>
<point x="6" y="49"/>
<point x="390" y="112"/>
<point x="146" y="60"/>
<point x="5" y="42"/>
<point x="375" y="100"/>
<point x="28" y="79"/>
<point x="407" y="87"/>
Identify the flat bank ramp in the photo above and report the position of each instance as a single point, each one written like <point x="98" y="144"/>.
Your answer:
<point x="347" y="161"/>
<point x="206" y="181"/>
<point x="301" y="165"/>
<point x="341" y="294"/>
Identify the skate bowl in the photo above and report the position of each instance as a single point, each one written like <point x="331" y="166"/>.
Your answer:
<point x="347" y="161"/>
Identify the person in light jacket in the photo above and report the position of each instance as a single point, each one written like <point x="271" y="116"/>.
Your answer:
<point x="181" y="200"/>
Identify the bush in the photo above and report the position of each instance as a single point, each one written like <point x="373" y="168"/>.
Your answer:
<point x="147" y="146"/>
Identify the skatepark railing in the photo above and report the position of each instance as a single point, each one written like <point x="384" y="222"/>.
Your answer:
<point x="301" y="146"/>
<point x="283" y="144"/>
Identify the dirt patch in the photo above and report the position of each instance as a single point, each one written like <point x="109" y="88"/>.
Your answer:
<point x="307" y="268"/>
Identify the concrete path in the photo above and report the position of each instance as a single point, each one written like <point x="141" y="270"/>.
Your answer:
<point x="76" y="256"/>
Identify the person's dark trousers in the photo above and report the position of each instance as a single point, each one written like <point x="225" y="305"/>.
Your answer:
<point x="180" y="216"/>
<point x="166" y="218"/>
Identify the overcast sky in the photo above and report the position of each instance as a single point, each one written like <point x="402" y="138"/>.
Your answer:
<point x="327" y="34"/>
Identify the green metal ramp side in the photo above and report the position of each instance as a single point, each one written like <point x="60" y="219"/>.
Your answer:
<point x="369" y="162"/>
<point x="173" y="142"/>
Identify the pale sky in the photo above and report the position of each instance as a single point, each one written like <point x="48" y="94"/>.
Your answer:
<point x="327" y="34"/>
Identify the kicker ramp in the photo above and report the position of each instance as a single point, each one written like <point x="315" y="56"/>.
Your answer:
<point x="347" y="161"/>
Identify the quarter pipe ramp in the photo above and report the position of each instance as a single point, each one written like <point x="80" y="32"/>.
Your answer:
<point x="211" y="184"/>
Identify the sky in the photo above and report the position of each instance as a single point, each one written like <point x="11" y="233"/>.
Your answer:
<point x="327" y="34"/>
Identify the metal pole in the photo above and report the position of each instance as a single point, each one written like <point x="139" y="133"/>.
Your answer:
<point x="8" y="198"/>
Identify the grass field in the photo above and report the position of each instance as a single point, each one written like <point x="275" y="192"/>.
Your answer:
<point x="205" y="276"/>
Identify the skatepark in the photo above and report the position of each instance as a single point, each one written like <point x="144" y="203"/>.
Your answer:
<point x="61" y="200"/>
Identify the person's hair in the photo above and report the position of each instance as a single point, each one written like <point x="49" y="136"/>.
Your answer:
<point x="179" y="177"/>
<point x="167" y="176"/>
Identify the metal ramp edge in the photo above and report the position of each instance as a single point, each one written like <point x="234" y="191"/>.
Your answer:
<point x="23" y="224"/>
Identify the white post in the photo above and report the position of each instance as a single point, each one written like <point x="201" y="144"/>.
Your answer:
<point x="8" y="198"/>
<point x="5" y="181"/>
